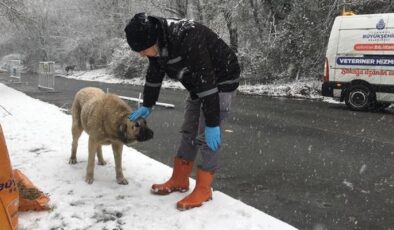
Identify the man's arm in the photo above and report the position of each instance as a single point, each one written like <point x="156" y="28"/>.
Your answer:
<point x="153" y="81"/>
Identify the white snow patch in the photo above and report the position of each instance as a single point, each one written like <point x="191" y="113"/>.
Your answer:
<point x="102" y="75"/>
<point x="38" y="136"/>
<point x="363" y="168"/>
<point x="348" y="184"/>
<point x="299" y="89"/>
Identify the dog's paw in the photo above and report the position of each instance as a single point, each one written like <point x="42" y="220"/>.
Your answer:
<point x="72" y="161"/>
<point x="122" y="181"/>
<point x="103" y="162"/>
<point x="89" y="180"/>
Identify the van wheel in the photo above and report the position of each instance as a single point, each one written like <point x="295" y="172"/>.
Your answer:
<point x="360" y="98"/>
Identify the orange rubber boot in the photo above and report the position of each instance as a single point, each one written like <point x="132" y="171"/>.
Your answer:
<point x="201" y="193"/>
<point x="9" y="195"/>
<point x="179" y="180"/>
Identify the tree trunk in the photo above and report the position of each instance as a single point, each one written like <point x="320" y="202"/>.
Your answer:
<point x="233" y="31"/>
<point x="256" y="17"/>
<point x="194" y="11"/>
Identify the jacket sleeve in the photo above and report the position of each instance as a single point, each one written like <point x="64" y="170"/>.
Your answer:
<point x="195" y="52"/>
<point x="153" y="80"/>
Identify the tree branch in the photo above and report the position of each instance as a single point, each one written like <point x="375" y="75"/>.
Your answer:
<point x="12" y="12"/>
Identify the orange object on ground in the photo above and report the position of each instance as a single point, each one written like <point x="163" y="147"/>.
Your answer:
<point x="179" y="180"/>
<point x="201" y="193"/>
<point x="9" y="197"/>
<point x="30" y="197"/>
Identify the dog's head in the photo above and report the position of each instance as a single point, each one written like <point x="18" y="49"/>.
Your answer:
<point x="131" y="131"/>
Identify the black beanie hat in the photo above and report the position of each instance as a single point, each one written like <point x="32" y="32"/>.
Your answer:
<point x="141" y="32"/>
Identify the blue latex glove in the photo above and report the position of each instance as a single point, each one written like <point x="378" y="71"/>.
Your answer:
<point x="140" y="112"/>
<point x="212" y="137"/>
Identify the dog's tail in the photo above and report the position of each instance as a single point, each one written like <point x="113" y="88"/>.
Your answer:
<point x="76" y="113"/>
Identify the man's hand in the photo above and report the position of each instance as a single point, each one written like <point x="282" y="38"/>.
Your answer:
<point x="212" y="137"/>
<point x="140" y="112"/>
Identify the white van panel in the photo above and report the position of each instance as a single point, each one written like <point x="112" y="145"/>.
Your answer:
<point x="332" y="47"/>
<point x="348" y="75"/>
<point x="361" y="47"/>
<point x="355" y="57"/>
<point x="359" y="30"/>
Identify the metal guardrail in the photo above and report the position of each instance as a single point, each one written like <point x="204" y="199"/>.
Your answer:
<point x="46" y="75"/>
<point x="139" y="101"/>
<point x="15" y="69"/>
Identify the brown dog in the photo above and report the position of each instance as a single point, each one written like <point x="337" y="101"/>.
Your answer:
<point x="104" y="117"/>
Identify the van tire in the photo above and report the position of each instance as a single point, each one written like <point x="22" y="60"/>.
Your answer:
<point x="360" y="98"/>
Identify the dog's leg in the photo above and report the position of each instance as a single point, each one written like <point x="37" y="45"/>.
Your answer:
<point x="117" y="150"/>
<point x="92" y="155"/>
<point x="76" y="133"/>
<point x="100" y="158"/>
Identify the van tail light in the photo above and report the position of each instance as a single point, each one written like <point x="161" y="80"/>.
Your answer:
<point x="326" y="76"/>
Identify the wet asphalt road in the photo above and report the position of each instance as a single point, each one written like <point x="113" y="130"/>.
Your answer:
<point x="311" y="164"/>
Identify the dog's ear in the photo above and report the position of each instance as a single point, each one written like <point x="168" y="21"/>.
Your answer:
<point x="122" y="127"/>
<point x="123" y="131"/>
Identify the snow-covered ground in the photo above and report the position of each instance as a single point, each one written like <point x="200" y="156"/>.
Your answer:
<point x="39" y="140"/>
<point x="102" y="75"/>
<point x="297" y="89"/>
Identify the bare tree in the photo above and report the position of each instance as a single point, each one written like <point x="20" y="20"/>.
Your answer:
<point x="281" y="39"/>
<point x="177" y="8"/>
<point x="13" y="10"/>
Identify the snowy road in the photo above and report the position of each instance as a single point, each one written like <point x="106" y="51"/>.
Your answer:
<point x="311" y="164"/>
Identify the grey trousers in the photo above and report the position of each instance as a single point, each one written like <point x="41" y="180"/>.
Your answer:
<point x="193" y="128"/>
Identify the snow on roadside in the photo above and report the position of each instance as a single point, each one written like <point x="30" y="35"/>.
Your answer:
<point x="102" y="75"/>
<point x="39" y="140"/>
<point x="298" y="89"/>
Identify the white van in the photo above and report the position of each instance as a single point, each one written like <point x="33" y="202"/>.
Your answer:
<point x="359" y="66"/>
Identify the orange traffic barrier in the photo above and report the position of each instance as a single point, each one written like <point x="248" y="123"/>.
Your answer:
<point x="30" y="197"/>
<point x="9" y="196"/>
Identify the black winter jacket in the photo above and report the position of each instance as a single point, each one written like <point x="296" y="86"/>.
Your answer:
<point x="193" y="54"/>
